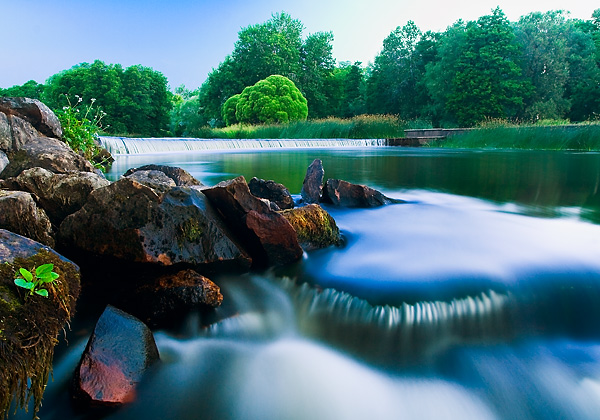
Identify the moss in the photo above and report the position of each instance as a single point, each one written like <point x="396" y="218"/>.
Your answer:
<point x="314" y="226"/>
<point x="29" y="328"/>
<point x="191" y="230"/>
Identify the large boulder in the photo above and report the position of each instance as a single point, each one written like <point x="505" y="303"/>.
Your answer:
<point x="117" y="355"/>
<point x="35" y="113"/>
<point x="171" y="295"/>
<point x="272" y="191"/>
<point x="136" y="223"/>
<point x="156" y="180"/>
<point x="30" y="324"/>
<point x="313" y="182"/>
<point x="48" y="153"/>
<point x="181" y="177"/>
<point x="344" y="194"/>
<point x="315" y="227"/>
<point x="267" y="235"/>
<point x="20" y="214"/>
<point x="21" y="133"/>
<point x="58" y="194"/>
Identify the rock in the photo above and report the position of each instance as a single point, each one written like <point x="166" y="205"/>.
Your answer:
<point x="267" y="235"/>
<point x="313" y="182"/>
<point x="58" y="194"/>
<point x="22" y="132"/>
<point x="136" y="223"/>
<point x="47" y="153"/>
<point x="3" y="161"/>
<point x="34" y="112"/>
<point x="315" y="227"/>
<point x="156" y="180"/>
<point x="20" y="214"/>
<point x="172" y="295"/>
<point x="117" y="355"/>
<point x="344" y="194"/>
<point x="6" y="140"/>
<point x="30" y="324"/>
<point x="181" y="177"/>
<point x="272" y="191"/>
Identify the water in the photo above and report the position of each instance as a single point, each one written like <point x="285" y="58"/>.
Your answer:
<point x="479" y="299"/>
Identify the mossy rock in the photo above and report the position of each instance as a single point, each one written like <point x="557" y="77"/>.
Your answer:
<point x="314" y="226"/>
<point x="29" y="324"/>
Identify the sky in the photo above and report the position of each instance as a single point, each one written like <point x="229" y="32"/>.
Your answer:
<point x="186" y="39"/>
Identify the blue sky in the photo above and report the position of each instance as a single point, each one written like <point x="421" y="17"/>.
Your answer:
<point x="186" y="39"/>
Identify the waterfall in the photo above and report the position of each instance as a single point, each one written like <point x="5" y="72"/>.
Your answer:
<point x="124" y="145"/>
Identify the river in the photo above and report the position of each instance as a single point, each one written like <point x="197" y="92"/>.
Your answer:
<point x="479" y="298"/>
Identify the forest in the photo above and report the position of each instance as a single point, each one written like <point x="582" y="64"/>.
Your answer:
<point x="544" y="67"/>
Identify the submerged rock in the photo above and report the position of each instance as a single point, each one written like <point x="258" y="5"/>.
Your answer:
<point x="117" y="355"/>
<point x="313" y="182"/>
<point x="344" y="194"/>
<point x="58" y="194"/>
<point x="267" y="235"/>
<point x="47" y="153"/>
<point x="29" y="324"/>
<point x="315" y="227"/>
<point x="181" y="177"/>
<point x="20" y="214"/>
<point x="272" y="191"/>
<point x="172" y="295"/>
<point x="133" y="222"/>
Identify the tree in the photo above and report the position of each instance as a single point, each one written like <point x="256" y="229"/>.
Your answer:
<point x="317" y="69"/>
<point x="275" y="99"/>
<point x="30" y="89"/>
<point x="229" y="109"/>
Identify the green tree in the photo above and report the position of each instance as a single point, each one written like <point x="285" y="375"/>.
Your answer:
<point x="317" y="69"/>
<point x="275" y="99"/>
<point x="229" y="109"/>
<point x="30" y="89"/>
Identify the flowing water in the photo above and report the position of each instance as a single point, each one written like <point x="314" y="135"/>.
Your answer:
<point x="477" y="299"/>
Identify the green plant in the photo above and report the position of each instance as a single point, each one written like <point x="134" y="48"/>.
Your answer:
<point x="34" y="280"/>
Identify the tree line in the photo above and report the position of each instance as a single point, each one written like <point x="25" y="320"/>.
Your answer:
<point x="544" y="66"/>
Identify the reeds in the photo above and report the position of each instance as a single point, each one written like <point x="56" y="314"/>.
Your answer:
<point x="502" y="135"/>
<point x="359" y="127"/>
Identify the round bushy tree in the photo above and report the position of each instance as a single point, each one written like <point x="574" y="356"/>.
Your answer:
<point x="275" y="99"/>
<point x="229" y="108"/>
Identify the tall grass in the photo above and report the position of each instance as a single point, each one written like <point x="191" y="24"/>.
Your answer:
<point x="359" y="127"/>
<point x="500" y="135"/>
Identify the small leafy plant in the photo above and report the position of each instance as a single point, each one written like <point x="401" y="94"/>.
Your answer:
<point x="34" y="280"/>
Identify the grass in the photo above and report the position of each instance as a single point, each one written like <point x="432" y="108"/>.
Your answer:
<point x="359" y="127"/>
<point x="542" y="136"/>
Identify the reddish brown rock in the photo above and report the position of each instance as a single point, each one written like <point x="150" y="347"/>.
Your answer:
<point x="344" y="194"/>
<point x="117" y="355"/>
<point x="133" y="222"/>
<point x="268" y="236"/>
<point x="313" y="182"/>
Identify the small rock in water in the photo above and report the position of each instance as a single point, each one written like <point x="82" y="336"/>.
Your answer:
<point x="315" y="227"/>
<point x="118" y="353"/>
<point x="272" y="191"/>
<point x="313" y="182"/>
<point x="344" y="194"/>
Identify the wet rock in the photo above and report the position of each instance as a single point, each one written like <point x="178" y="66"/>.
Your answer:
<point x="29" y="324"/>
<point x="272" y="191"/>
<point x="172" y="295"/>
<point x="136" y="223"/>
<point x="47" y="153"/>
<point x="156" y="180"/>
<point x="181" y="177"/>
<point x="20" y="214"/>
<point x="344" y="194"/>
<point x="58" y="194"/>
<point x="313" y="182"/>
<point x="315" y="227"/>
<point x="35" y="113"/>
<point x="267" y="235"/>
<point x="117" y="355"/>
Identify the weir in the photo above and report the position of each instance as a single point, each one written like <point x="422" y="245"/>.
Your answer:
<point x="124" y="145"/>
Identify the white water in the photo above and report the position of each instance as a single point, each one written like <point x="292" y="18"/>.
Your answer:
<point x="124" y="145"/>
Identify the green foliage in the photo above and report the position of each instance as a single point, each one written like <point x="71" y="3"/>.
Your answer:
<point x="30" y="89"/>
<point x="275" y="99"/>
<point x="136" y="100"/>
<point x="35" y="279"/>
<point x="229" y="110"/>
